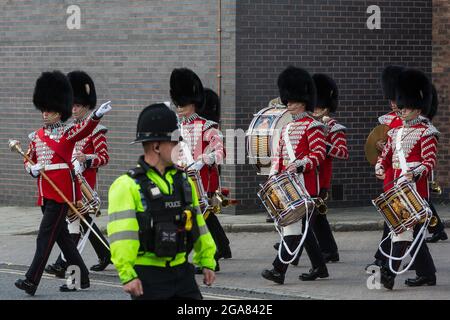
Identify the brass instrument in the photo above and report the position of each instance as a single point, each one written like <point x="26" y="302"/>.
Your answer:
<point x="218" y="201"/>
<point x="321" y="206"/>
<point x="378" y="134"/>
<point x="435" y="187"/>
<point x="433" y="221"/>
<point x="91" y="200"/>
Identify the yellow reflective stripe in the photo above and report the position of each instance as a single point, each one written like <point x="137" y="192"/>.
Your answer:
<point x="123" y="235"/>
<point x="127" y="214"/>
<point x="122" y="225"/>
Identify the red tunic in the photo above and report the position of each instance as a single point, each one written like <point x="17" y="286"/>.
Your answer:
<point x="392" y="120"/>
<point x="205" y="141"/>
<point x="307" y="138"/>
<point x="419" y="145"/>
<point x="95" y="148"/>
<point x="57" y="165"/>
<point x="336" y="142"/>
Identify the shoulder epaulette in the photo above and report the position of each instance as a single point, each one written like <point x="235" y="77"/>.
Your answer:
<point x="99" y="128"/>
<point x="316" y="124"/>
<point x="431" y="131"/>
<point x="32" y="135"/>
<point x="338" y="127"/>
<point x="210" y="124"/>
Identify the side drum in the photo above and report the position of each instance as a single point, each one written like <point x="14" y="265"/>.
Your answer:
<point x="285" y="198"/>
<point x="402" y="207"/>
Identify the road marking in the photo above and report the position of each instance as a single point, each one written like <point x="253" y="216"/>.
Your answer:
<point x="113" y="285"/>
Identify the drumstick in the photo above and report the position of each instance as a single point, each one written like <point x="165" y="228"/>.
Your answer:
<point x="403" y="175"/>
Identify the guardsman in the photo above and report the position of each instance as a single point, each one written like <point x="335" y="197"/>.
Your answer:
<point x="51" y="149"/>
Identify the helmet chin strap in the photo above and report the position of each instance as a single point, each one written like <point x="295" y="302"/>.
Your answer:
<point x="413" y="114"/>
<point x="52" y="119"/>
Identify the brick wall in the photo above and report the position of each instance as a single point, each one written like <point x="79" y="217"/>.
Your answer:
<point x="128" y="47"/>
<point x="441" y="79"/>
<point x="328" y="36"/>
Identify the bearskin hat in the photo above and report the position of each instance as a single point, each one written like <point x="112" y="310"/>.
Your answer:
<point x="434" y="103"/>
<point x="414" y="90"/>
<point x="83" y="89"/>
<point x="389" y="78"/>
<point x="211" y="109"/>
<point x="327" y="92"/>
<point x="186" y="88"/>
<point x="53" y="93"/>
<point x="296" y="85"/>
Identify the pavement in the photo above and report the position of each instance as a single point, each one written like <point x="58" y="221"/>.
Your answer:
<point x="25" y="220"/>
<point x="252" y="242"/>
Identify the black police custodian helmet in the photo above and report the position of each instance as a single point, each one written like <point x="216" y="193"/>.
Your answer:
<point x="296" y="85"/>
<point x="186" y="88"/>
<point x="157" y="123"/>
<point x="389" y="78"/>
<point x="83" y="89"/>
<point x="53" y="93"/>
<point x="414" y="90"/>
<point x="327" y="91"/>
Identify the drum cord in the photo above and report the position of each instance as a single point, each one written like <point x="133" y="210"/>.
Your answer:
<point x="419" y="237"/>
<point x="283" y="243"/>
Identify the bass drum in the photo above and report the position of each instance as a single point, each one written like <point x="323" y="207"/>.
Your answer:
<point x="264" y="134"/>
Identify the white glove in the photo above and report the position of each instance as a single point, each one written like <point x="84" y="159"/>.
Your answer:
<point x="35" y="169"/>
<point x="78" y="167"/>
<point x="198" y="165"/>
<point x="104" y="108"/>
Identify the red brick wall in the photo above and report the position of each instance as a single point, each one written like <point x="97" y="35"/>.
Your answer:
<point x="441" y="79"/>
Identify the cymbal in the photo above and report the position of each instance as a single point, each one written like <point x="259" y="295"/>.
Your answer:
<point x="370" y="148"/>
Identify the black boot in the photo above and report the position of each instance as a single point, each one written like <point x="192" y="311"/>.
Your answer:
<point x="273" y="275"/>
<point x="102" y="264"/>
<point x="387" y="278"/>
<point x="57" y="269"/>
<point x="27" y="286"/>
<point x="421" y="281"/>
<point x="330" y="257"/>
<point x="320" y="272"/>
<point x="442" y="235"/>
<point x="83" y="285"/>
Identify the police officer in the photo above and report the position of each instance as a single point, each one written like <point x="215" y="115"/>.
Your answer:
<point x="154" y="214"/>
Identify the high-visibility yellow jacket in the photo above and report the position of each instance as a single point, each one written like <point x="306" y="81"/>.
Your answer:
<point x="124" y="203"/>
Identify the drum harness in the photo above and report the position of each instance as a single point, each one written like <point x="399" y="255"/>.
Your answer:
<point x="420" y="237"/>
<point x="309" y="213"/>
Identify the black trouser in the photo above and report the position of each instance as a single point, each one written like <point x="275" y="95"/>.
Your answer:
<point x="386" y="245"/>
<point x="53" y="228"/>
<point x="215" y="228"/>
<point x="162" y="283"/>
<point x="217" y="233"/>
<point x="324" y="235"/>
<point x="423" y="263"/>
<point x="101" y="251"/>
<point x="311" y="246"/>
